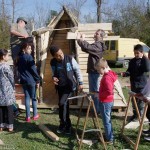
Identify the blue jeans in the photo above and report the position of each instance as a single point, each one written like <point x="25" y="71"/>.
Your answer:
<point x="15" y="50"/>
<point x="105" y="109"/>
<point x="30" y="93"/>
<point x="94" y="83"/>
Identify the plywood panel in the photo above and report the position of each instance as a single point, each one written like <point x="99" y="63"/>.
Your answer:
<point x="95" y="26"/>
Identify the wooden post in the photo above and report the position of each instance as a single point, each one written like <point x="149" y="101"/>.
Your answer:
<point x="38" y="63"/>
<point x="49" y="133"/>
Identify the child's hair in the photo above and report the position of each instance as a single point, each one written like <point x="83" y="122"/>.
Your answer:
<point x="24" y="46"/>
<point x="101" y="63"/>
<point x="54" y="49"/>
<point x="3" y="52"/>
<point x="138" y="47"/>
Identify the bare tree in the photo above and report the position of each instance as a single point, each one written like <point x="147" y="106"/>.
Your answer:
<point x="89" y="18"/>
<point x="41" y="13"/>
<point x="75" y="6"/>
<point x="99" y="3"/>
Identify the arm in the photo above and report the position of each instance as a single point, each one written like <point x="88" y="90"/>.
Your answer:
<point x="53" y="68"/>
<point x="9" y="74"/>
<point x="78" y="73"/>
<point x="94" y="48"/>
<point x="33" y="69"/>
<point x="14" y="31"/>
<point x="109" y="86"/>
<point x="146" y="64"/>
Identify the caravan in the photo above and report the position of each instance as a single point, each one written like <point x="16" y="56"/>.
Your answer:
<point x="120" y="50"/>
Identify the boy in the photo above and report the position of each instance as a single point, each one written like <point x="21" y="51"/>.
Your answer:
<point x="63" y="68"/>
<point x="138" y="79"/>
<point x="106" y="97"/>
<point x="146" y="97"/>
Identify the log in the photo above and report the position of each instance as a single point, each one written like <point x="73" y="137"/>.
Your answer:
<point x="48" y="133"/>
<point x="1" y="142"/>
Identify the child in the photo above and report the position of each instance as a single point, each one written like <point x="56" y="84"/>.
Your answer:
<point x="146" y="97"/>
<point x="106" y="97"/>
<point x="29" y="78"/>
<point x="63" y="68"/>
<point x="7" y="96"/>
<point x="138" y="66"/>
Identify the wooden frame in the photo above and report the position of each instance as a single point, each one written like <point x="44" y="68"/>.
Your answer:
<point x="96" y="123"/>
<point x="141" y="121"/>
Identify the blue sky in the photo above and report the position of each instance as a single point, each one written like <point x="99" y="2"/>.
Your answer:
<point x="27" y="7"/>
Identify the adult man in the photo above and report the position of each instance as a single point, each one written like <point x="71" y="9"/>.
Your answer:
<point x="18" y="35"/>
<point x="64" y="68"/>
<point x="95" y="51"/>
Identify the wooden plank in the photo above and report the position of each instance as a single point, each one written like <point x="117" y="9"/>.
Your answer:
<point x="23" y="107"/>
<point x="49" y="133"/>
<point x="95" y="26"/>
<point x="1" y="142"/>
<point x="84" y="55"/>
<point x="71" y="35"/>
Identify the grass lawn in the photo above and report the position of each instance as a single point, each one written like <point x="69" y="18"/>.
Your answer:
<point x="27" y="136"/>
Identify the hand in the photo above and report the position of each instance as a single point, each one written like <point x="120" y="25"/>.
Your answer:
<point x="138" y="94"/>
<point x="145" y="99"/>
<point x="37" y="85"/>
<point x="25" y="36"/>
<point x="83" y="36"/>
<point x="80" y="88"/>
<point x="55" y="80"/>
<point x="78" y="36"/>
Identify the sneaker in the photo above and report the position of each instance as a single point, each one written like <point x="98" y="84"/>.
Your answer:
<point x="146" y="132"/>
<point x="61" y="128"/>
<point x="147" y="138"/>
<point x="109" y="142"/>
<point x="10" y="130"/>
<point x="16" y="114"/>
<point x="36" y="117"/>
<point x="28" y="119"/>
<point x="68" y="130"/>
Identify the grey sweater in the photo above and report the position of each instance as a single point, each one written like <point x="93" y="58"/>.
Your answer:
<point x="95" y="51"/>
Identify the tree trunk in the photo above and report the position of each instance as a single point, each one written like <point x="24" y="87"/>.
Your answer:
<point x="99" y="2"/>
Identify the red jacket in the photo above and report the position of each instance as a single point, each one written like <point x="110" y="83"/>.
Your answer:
<point x="106" y="93"/>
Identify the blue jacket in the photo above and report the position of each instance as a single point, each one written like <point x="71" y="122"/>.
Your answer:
<point x="67" y="71"/>
<point x="27" y="70"/>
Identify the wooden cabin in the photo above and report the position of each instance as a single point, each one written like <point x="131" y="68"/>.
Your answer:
<point x="55" y="34"/>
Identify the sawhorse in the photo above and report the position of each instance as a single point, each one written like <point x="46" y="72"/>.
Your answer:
<point x="141" y="121"/>
<point x="96" y="123"/>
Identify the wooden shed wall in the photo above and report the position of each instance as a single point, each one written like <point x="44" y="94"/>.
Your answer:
<point x="83" y="58"/>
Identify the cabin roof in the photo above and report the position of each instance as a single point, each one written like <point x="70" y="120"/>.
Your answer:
<point x="55" y="20"/>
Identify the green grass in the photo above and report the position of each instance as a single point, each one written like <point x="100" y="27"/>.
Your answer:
<point x="27" y="136"/>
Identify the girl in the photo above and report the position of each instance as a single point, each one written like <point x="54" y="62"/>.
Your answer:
<point x="29" y="78"/>
<point x="7" y="96"/>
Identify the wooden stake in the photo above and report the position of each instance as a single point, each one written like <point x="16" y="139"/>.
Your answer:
<point x="48" y="133"/>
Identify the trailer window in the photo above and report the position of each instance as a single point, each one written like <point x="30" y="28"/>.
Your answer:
<point x="113" y="45"/>
<point x="107" y="44"/>
<point x="145" y="48"/>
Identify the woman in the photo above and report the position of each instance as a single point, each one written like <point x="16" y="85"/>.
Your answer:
<point x="29" y="78"/>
